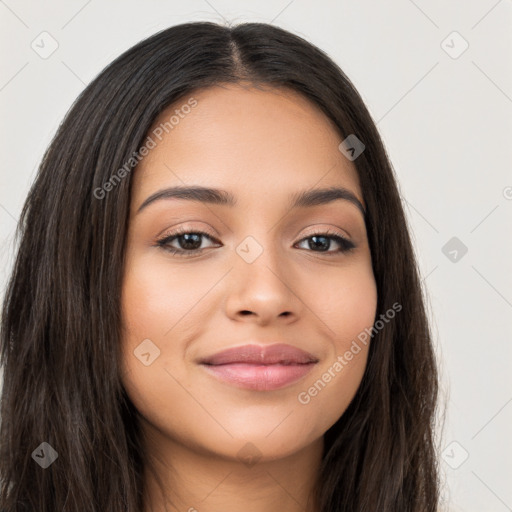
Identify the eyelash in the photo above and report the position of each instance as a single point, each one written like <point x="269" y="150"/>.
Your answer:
<point x="345" y="244"/>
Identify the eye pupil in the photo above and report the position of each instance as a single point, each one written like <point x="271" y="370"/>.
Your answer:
<point x="324" y="245"/>
<point x="192" y="241"/>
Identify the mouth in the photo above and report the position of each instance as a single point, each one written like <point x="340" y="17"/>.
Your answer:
<point x="260" y="368"/>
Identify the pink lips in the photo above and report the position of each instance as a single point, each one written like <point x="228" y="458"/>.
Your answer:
<point x="260" y="368"/>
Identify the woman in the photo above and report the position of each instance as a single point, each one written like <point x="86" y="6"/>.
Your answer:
<point x="215" y="303"/>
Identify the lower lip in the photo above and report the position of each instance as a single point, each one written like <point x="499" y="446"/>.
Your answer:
<point x="259" y="377"/>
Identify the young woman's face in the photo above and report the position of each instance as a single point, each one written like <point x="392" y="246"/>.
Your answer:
<point x="266" y="273"/>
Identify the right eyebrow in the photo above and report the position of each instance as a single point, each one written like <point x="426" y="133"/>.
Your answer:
<point x="192" y="193"/>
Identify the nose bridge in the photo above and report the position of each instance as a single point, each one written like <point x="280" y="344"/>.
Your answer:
<point x="258" y="228"/>
<point x="260" y="255"/>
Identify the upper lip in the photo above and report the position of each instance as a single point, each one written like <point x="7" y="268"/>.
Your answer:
<point x="279" y="353"/>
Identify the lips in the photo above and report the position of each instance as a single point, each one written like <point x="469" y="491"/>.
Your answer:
<point x="255" y="354"/>
<point x="261" y="368"/>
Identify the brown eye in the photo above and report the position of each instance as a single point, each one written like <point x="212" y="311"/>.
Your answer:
<point x="189" y="242"/>
<point x="321" y="242"/>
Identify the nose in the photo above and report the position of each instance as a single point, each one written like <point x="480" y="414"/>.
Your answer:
<point x="263" y="291"/>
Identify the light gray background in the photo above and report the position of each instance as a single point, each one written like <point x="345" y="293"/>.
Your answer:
<point x="446" y="123"/>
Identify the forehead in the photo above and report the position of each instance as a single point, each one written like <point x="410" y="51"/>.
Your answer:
<point x="244" y="138"/>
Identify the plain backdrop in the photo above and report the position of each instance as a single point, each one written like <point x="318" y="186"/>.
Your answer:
<point x="437" y="79"/>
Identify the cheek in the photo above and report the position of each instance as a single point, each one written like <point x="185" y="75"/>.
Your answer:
<point x="346" y="303"/>
<point x="151" y="306"/>
<point x="155" y="299"/>
<point x="156" y="304"/>
<point x="162" y="311"/>
<point x="348" y="310"/>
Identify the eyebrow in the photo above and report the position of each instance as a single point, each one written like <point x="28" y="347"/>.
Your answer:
<point x="303" y="199"/>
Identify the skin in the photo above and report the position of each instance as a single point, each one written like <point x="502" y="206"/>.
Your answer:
<point x="261" y="145"/>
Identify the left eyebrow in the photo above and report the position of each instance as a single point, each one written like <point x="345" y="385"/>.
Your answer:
<point x="302" y="199"/>
<point x="318" y="196"/>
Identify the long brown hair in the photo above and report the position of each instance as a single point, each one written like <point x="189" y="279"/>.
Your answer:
<point x="60" y="333"/>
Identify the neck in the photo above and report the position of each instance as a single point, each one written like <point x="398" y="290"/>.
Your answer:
<point x="180" y="478"/>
